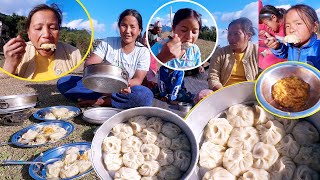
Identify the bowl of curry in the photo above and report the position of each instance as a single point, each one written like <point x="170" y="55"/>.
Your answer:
<point x="290" y="90"/>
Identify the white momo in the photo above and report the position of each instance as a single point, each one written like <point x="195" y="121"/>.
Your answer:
<point x="261" y="116"/>
<point x="218" y="173"/>
<point x="127" y="174"/>
<point x="49" y="116"/>
<point x="133" y="159"/>
<point x="309" y="155"/>
<point x="283" y="169"/>
<point x="237" y="161"/>
<point x="240" y="115"/>
<point x="271" y="132"/>
<point x="169" y="172"/>
<point x="255" y="174"/>
<point x="149" y="168"/>
<point x="148" y="136"/>
<point x="150" y="151"/>
<point x="170" y="130"/>
<point x="211" y="155"/>
<point x="244" y="138"/>
<point x="218" y="131"/>
<point x="165" y="157"/>
<point x="131" y="144"/>
<point x="113" y="162"/>
<point x="264" y="155"/>
<point x="288" y="146"/>
<point x="122" y="131"/>
<point x="69" y="170"/>
<point x="111" y="144"/>
<point x="138" y="123"/>
<point x="155" y="123"/>
<point x="303" y="172"/>
<point x="182" y="159"/>
<point x="53" y="169"/>
<point x="163" y="141"/>
<point x="305" y="133"/>
<point x="180" y="142"/>
<point x="83" y="165"/>
<point x="288" y="124"/>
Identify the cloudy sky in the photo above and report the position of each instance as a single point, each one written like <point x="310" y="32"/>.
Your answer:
<point x="105" y="14"/>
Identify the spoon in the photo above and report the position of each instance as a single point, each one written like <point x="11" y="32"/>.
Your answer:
<point x="5" y="143"/>
<point x="21" y="162"/>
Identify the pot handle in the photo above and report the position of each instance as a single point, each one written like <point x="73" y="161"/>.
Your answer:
<point x="3" y="104"/>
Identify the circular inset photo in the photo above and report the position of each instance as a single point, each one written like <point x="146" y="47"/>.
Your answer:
<point x="182" y="35"/>
<point x="289" y="90"/>
<point x="41" y="42"/>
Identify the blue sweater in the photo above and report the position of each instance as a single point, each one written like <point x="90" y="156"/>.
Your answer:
<point x="309" y="53"/>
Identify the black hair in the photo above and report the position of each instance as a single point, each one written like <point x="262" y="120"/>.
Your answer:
<point x="246" y="25"/>
<point x="134" y="13"/>
<point x="268" y="10"/>
<point x="307" y="14"/>
<point x="185" y="13"/>
<point x="53" y="7"/>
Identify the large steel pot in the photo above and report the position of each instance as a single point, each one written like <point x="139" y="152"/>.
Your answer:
<point x="123" y="116"/>
<point x="215" y="104"/>
<point x="13" y="103"/>
<point x="105" y="78"/>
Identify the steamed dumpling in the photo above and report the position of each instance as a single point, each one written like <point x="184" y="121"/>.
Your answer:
<point x="255" y="174"/>
<point x="148" y="136"/>
<point x="261" y="116"/>
<point x="163" y="141"/>
<point x="57" y="135"/>
<point x="288" y="124"/>
<point x="150" y="151"/>
<point x="240" y="115"/>
<point x="72" y="150"/>
<point x="211" y="155"/>
<point x="155" y="123"/>
<point x="165" y="157"/>
<point x="149" y="168"/>
<point x="237" y="161"/>
<point x="288" y="146"/>
<point x="305" y="133"/>
<point x="303" y="172"/>
<point x="182" y="159"/>
<point x="131" y="144"/>
<point x="271" y="132"/>
<point x="133" y="159"/>
<point x="181" y="142"/>
<point x="244" y="138"/>
<point x="122" y="131"/>
<point x="113" y="162"/>
<point x="218" y="131"/>
<point x="29" y="135"/>
<point x="49" y="116"/>
<point x="218" y="173"/>
<point x="170" y="172"/>
<point x="138" y="123"/>
<point x="125" y="173"/>
<point x="111" y="144"/>
<point x="53" y="170"/>
<point x="83" y="165"/>
<point x="149" y="178"/>
<point x="283" y="169"/>
<point x="59" y="113"/>
<point x="264" y="155"/>
<point x="170" y="130"/>
<point x="309" y="155"/>
<point x="69" y="170"/>
<point x="71" y="155"/>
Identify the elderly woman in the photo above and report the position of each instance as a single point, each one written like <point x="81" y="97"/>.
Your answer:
<point x="43" y="57"/>
<point x="236" y="62"/>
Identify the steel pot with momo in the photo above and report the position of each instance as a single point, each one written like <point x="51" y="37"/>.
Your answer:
<point x="105" y="78"/>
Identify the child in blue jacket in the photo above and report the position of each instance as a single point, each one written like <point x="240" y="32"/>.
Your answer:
<point x="301" y="22"/>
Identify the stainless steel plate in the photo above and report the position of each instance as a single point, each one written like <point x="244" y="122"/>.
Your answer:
<point x="99" y="115"/>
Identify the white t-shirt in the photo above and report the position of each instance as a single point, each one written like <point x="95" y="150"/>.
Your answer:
<point x="110" y="50"/>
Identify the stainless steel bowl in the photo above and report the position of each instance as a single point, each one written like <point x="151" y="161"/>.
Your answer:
<point x="105" y="78"/>
<point x="279" y="71"/>
<point x="99" y="115"/>
<point x="184" y="107"/>
<point x="14" y="103"/>
<point x="123" y="116"/>
<point x="218" y="102"/>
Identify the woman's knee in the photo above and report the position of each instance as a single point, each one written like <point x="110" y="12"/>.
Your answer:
<point x="143" y="94"/>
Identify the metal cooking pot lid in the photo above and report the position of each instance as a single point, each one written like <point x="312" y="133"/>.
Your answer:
<point x="104" y="84"/>
<point x="17" y="109"/>
<point x="99" y="115"/>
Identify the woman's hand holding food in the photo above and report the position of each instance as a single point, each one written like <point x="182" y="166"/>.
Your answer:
<point x="13" y="52"/>
<point x="126" y="90"/>
<point x="271" y="41"/>
<point x="172" y="49"/>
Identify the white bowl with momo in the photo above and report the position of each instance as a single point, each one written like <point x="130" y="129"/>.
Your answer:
<point x="106" y="128"/>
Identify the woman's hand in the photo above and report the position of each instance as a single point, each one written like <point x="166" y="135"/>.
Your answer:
<point x="126" y="90"/>
<point x="271" y="42"/>
<point x="172" y="49"/>
<point x="13" y="53"/>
